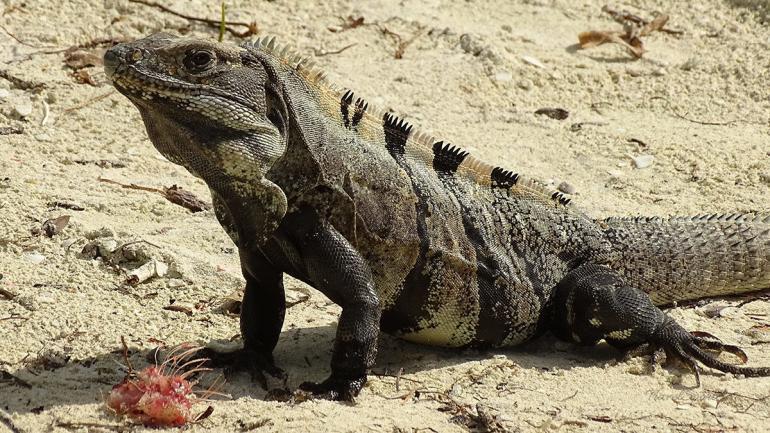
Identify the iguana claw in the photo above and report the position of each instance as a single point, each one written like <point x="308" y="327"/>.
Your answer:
<point x="336" y="389"/>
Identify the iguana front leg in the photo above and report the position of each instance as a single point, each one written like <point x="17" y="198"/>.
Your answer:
<point x="333" y="266"/>
<point x="593" y="302"/>
<point x="262" y="310"/>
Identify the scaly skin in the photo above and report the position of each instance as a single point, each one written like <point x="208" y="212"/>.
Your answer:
<point x="410" y="235"/>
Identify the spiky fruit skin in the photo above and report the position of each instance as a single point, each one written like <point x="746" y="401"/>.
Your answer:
<point x="154" y="398"/>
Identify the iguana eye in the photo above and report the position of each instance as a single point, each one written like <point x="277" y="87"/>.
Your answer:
<point x="197" y="61"/>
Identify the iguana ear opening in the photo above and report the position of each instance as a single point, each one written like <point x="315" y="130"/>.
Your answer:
<point x="277" y="112"/>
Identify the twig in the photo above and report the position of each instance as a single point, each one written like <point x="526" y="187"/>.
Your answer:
<point x="7" y="293"/>
<point x="623" y="16"/>
<point x="19" y="40"/>
<point x="251" y="28"/>
<point x="16" y="380"/>
<point x="46" y="113"/>
<point x="683" y="117"/>
<point x="8" y="130"/>
<point x="125" y="355"/>
<point x="321" y="53"/>
<point x="222" y="24"/>
<point x="110" y="427"/>
<point x="401" y="44"/>
<point x="174" y="194"/>
<point x="87" y="102"/>
<point x="20" y="83"/>
<point x="6" y="419"/>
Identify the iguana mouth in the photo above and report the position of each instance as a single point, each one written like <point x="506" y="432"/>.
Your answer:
<point x="141" y="86"/>
<point x="134" y="83"/>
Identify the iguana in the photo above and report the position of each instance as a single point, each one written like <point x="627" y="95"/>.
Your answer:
<point x="409" y="235"/>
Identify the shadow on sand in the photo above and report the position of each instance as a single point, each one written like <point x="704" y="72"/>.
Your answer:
<point x="303" y="353"/>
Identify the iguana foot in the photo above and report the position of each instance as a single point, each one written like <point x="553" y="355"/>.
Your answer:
<point x="251" y="361"/>
<point x="336" y="389"/>
<point x="691" y="348"/>
<point x="593" y="302"/>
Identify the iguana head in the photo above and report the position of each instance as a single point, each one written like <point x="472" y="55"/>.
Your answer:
<point x="212" y="108"/>
<point x="204" y="106"/>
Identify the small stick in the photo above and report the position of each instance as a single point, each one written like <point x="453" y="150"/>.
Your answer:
<point x="681" y="116"/>
<point x="6" y="419"/>
<point x="622" y="16"/>
<point x="251" y="28"/>
<point x="222" y="24"/>
<point x="174" y="194"/>
<point x="109" y="427"/>
<point x="125" y="355"/>
<point x="7" y="293"/>
<point x="321" y="53"/>
<point x="20" y="83"/>
<point x="46" y="113"/>
<point x="88" y="102"/>
<point x="19" y="40"/>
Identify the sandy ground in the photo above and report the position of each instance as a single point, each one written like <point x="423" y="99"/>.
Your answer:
<point x="64" y="313"/>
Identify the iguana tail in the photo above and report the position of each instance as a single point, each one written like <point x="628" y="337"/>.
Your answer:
<point x="683" y="258"/>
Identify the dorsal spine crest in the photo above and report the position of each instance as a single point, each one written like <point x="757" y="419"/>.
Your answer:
<point x="447" y="158"/>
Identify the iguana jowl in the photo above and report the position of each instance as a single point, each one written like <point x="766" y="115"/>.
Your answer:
<point x="410" y="235"/>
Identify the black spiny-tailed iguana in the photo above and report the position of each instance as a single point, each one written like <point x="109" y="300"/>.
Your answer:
<point x="409" y="235"/>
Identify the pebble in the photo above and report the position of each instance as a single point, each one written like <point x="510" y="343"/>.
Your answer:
<point x="634" y="71"/>
<point x="567" y="187"/>
<point x="23" y="108"/>
<point x="709" y="403"/>
<point x="690" y="64"/>
<point x="68" y="243"/>
<point x="765" y="177"/>
<point x="534" y="61"/>
<point x="503" y="77"/>
<point x="34" y="258"/>
<point x="643" y="161"/>
<point x="525" y="84"/>
<point x="4" y="93"/>
<point x="42" y="137"/>
<point x="562" y="346"/>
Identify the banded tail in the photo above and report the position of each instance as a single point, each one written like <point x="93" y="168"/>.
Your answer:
<point x="685" y="258"/>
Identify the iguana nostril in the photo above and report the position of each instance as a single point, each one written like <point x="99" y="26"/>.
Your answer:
<point x="111" y="62"/>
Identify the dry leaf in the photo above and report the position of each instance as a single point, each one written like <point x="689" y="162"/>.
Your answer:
<point x="82" y="76"/>
<point x="78" y="59"/>
<point x="54" y="226"/>
<point x="655" y="25"/>
<point x="183" y="198"/>
<point x="553" y="113"/>
<point x="180" y="308"/>
<point x="595" y="38"/>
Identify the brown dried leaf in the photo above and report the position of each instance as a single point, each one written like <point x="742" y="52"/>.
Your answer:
<point x="54" y="226"/>
<point x="655" y="25"/>
<point x="180" y="308"/>
<point x="553" y="113"/>
<point x="82" y="76"/>
<point x="232" y="303"/>
<point x="177" y="195"/>
<point x="348" y="23"/>
<point x="595" y="38"/>
<point x="759" y="333"/>
<point x="77" y="58"/>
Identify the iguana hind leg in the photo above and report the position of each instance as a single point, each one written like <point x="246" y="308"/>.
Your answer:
<point x="593" y="302"/>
